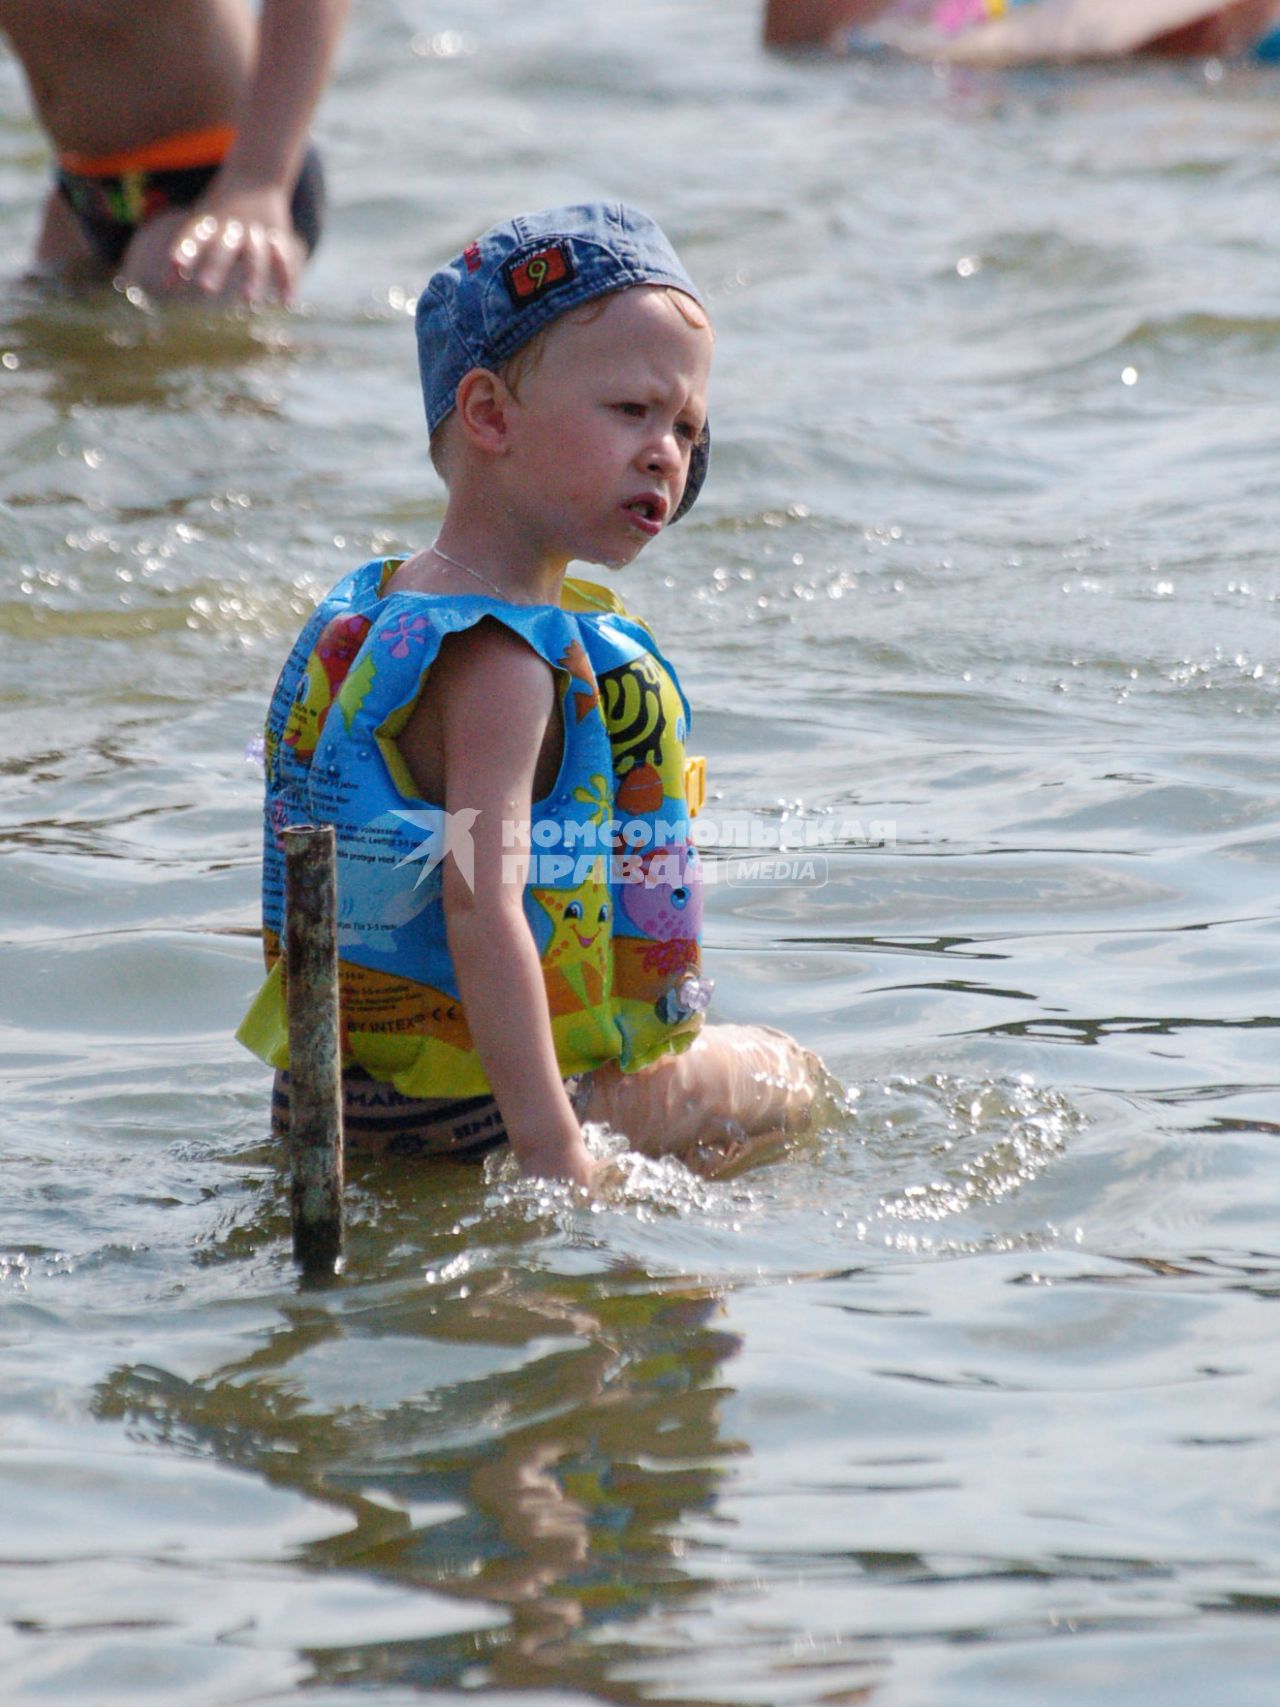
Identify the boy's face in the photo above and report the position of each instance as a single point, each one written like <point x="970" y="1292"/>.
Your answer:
<point x="605" y="423"/>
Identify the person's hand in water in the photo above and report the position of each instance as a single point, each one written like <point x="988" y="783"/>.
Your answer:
<point x="234" y="246"/>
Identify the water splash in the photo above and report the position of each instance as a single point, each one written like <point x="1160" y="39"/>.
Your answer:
<point x="927" y="1164"/>
<point x="940" y="1150"/>
<point x="643" y="1186"/>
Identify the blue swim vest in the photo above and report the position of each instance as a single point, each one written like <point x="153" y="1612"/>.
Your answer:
<point x="614" y="892"/>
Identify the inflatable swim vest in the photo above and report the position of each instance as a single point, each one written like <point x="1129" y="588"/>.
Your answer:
<point x="614" y="892"/>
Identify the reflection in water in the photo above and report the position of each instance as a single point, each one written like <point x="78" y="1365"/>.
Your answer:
<point x="103" y="348"/>
<point x="495" y="1432"/>
<point x="512" y="1411"/>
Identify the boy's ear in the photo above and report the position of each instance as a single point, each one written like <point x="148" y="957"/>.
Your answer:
<point x="483" y="404"/>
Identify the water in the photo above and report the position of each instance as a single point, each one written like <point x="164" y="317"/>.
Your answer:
<point x="971" y="1398"/>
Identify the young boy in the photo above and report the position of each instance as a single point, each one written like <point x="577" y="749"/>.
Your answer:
<point x="1010" y="32"/>
<point x="180" y="128"/>
<point x="502" y="751"/>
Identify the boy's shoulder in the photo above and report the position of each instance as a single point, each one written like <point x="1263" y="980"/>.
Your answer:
<point x="584" y="598"/>
<point x="588" y="598"/>
<point x="367" y="583"/>
<point x="409" y="623"/>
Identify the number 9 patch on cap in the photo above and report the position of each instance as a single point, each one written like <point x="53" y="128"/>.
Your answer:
<point x="531" y="277"/>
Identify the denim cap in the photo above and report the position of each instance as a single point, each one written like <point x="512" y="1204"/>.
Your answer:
<point x="524" y="274"/>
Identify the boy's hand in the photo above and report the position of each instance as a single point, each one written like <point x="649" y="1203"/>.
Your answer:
<point x="553" y="1158"/>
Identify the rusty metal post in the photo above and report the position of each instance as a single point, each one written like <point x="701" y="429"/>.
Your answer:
<point x="315" y="1055"/>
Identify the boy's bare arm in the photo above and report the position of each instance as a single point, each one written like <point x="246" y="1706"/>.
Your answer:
<point x="800" y="23"/>
<point x="496" y="697"/>
<point x="240" y="234"/>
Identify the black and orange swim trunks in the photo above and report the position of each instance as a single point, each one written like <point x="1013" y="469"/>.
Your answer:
<point x="112" y="195"/>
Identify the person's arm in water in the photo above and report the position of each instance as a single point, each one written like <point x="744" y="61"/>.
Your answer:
<point x="238" y="239"/>
<point x="1228" y="34"/>
<point x="1056" y="29"/>
<point x="804" y="23"/>
<point x="1068" y="30"/>
<point x="496" y="698"/>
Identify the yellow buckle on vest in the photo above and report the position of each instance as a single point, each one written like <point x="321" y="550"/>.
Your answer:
<point x="695" y="785"/>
